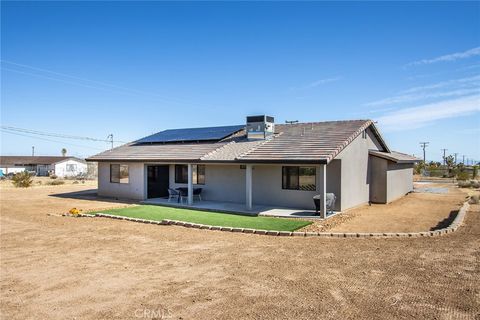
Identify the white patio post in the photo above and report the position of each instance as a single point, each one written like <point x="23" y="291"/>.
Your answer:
<point x="323" y="191"/>
<point x="248" y="186"/>
<point x="190" y="184"/>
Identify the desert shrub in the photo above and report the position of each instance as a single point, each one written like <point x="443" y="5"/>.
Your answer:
<point x="463" y="176"/>
<point x="56" y="182"/>
<point x="474" y="199"/>
<point x="475" y="184"/>
<point x="464" y="184"/>
<point x="39" y="182"/>
<point x="75" y="182"/>
<point x="22" y="179"/>
<point x="53" y="176"/>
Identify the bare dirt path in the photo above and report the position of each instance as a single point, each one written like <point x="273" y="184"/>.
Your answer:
<point x="65" y="268"/>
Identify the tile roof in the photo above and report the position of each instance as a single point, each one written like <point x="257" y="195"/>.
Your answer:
<point x="303" y="142"/>
<point x="29" y="160"/>
<point x="158" y="152"/>
<point x="395" y="156"/>
<point x="316" y="141"/>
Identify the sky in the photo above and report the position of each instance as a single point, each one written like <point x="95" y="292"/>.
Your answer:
<point x="91" y="69"/>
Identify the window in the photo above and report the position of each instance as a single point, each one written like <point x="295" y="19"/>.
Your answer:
<point x="119" y="173"/>
<point x="299" y="178"/>
<point x="198" y="173"/>
<point x="71" y="167"/>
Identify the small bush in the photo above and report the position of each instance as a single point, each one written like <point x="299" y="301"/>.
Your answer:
<point x="22" y="179"/>
<point x="56" y="182"/>
<point x="474" y="199"/>
<point x="475" y="184"/>
<point x="75" y="182"/>
<point x="463" y="176"/>
<point x="53" y="176"/>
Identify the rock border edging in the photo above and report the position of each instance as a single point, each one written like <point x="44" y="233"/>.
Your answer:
<point x="456" y="223"/>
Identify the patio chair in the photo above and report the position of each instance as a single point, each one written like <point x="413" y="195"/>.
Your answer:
<point x="197" y="193"/>
<point x="173" y="194"/>
<point x="330" y="203"/>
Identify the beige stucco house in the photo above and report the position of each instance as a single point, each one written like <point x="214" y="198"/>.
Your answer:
<point x="261" y="163"/>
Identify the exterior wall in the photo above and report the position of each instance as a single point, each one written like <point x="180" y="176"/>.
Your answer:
<point x="134" y="189"/>
<point x="61" y="168"/>
<point x="378" y="179"/>
<point x="267" y="189"/>
<point x="399" y="180"/>
<point x="222" y="183"/>
<point x="355" y="177"/>
<point x="8" y="169"/>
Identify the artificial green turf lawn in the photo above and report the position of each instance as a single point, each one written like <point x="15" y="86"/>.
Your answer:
<point x="209" y="218"/>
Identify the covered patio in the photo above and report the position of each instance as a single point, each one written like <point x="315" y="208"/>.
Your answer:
<point x="248" y="207"/>
<point x="237" y="208"/>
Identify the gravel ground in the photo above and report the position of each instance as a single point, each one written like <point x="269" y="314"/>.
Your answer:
<point x="55" y="267"/>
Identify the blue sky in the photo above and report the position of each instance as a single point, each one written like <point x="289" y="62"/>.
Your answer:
<point x="134" y="68"/>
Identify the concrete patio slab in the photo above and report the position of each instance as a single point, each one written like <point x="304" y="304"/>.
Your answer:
<point x="237" y="208"/>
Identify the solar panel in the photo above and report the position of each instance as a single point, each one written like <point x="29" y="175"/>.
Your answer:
<point x="192" y="134"/>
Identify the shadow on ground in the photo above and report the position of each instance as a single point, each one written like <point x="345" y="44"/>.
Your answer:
<point x="445" y="222"/>
<point x="90" y="194"/>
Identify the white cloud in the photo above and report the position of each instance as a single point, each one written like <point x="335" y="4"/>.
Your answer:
<point x="317" y="83"/>
<point x="421" y="116"/>
<point x="456" y="87"/>
<point x="449" y="57"/>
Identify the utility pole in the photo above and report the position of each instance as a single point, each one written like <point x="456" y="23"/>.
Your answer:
<point x="33" y="151"/>
<point x="110" y="136"/>
<point x="424" y="145"/>
<point x="444" y="159"/>
<point x="455" y="154"/>
<point x="463" y="160"/>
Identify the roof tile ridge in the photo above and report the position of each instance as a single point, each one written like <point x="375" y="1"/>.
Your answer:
<point x="256" y="146"/>
<point x="349" y="140"/>
<point x="215" y="150"/>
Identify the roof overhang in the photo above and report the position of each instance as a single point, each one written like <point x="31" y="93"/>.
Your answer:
<point x="395" y="157"/>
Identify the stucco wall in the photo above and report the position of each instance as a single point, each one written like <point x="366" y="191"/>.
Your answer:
<point x="134" y="189"/>
<point x="222" y="183"/>
<point x="355" y="177"/>
<point x="399" y="180"/>
<point x="378" y="179"/>
<point x="61" y="168"/>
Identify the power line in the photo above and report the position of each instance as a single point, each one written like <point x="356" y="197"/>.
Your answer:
<point x="444" y="157"/>
<point x="51" y="140"/>
<point x="424" y="145"/>
<point x="57" y="135"/>
<point x="102" y="85"/>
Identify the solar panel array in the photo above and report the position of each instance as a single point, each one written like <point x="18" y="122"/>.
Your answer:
<point x="193" y="134"/>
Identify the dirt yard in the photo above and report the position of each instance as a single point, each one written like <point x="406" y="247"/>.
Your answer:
<point x="55" y="267"/>
<point x="418" y="211"/>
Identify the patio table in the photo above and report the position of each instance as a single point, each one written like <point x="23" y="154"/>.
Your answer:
<point x="184" y="192"/>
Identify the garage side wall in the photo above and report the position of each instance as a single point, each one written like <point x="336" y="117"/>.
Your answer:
<point x="355" y="176"/>
<point x="378" y="180"/>
<point x="134" y="189"/>
<point x="399" y="180"/>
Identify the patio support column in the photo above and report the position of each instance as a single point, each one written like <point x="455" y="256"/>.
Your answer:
<point x="190" y="184"/>
<point x="323" y="190"/>
<point x="248" y="186"/>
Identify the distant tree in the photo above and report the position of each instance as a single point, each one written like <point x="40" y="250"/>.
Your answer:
<point x="450" y="161"/>
<point x="64" y="152"/>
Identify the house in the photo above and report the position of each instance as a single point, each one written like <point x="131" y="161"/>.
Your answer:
<point x="261" y="163"/>
<point x="43" y="165"/>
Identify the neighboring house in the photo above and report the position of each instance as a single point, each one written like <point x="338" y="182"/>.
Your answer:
<point x="261" y="163"/>
<point x="44" y="165"/>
